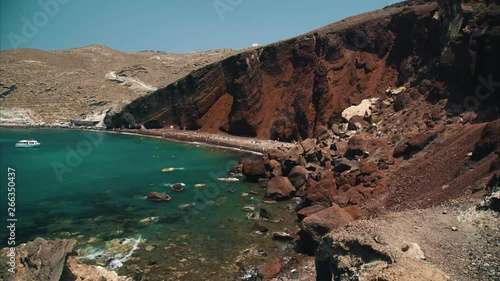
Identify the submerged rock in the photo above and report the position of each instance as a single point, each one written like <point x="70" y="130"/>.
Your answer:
<point x="259" y="228"/>
<point x="158" y="197"/>
<point x="248" y="208"/>
<point x="177" y="187"/>
<point x="149" y="219"/>
<point x="282" y="236"/>
<point x="263" y="213"/>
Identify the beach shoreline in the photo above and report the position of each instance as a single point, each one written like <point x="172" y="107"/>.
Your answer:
<point x="219" y="141"/>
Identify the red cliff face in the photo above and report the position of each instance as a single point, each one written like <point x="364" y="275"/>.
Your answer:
<point x="291" y="89"/>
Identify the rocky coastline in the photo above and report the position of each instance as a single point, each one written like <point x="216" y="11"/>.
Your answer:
<point x="397" y="177"/>
<point x="344" y="185"/>
<point x="219" y="141"/>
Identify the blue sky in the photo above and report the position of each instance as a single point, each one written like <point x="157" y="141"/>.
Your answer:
<point x="178" y="26"/>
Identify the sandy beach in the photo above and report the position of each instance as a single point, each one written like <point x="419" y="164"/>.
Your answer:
<point x="223" y="141"/>
<point x="226" y="141"/>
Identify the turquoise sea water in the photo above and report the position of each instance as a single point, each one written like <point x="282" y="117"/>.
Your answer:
<point x="91" y="187"/>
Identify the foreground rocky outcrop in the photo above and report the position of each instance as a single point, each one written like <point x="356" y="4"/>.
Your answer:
<point x="348" y="255"/>
<point x="452" y="241"/>
<point x="50" y="260"/>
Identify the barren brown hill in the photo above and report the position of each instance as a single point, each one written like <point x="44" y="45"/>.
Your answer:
<point x="58" y="86"/>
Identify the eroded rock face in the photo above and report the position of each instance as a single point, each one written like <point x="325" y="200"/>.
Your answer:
<point x="470" y="36"/>
<point x="289" y="90"/>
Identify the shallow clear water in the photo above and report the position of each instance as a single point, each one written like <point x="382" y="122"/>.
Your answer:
<point x="91" y="187"/>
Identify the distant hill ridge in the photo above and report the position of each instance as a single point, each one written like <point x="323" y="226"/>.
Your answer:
<point x="58" y="86"/>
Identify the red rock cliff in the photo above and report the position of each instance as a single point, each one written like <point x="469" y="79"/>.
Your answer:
<point x="291" y="89"/>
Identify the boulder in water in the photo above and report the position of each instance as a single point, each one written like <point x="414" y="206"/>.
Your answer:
<point x="158" y="196"/>
<point x="177" y="187"/>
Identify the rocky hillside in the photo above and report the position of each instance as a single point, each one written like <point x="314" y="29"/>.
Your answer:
<point x="394" y="110"/>
<point x="81" y="83"/>
<point x="296" y="88"/>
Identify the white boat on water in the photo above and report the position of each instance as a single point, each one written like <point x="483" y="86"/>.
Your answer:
<point x="228" y="179"/>
<point x="28" y="143"/>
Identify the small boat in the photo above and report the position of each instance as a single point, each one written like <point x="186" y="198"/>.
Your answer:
<point x="184" y="206"/>
<point x="149" y="219"/>
<point x="177" y="186"/>
<point x="28" y="143"/>
<point x="200" y="185"/>
<point x="228" y="179"/>
<point x="167" y="170"/>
